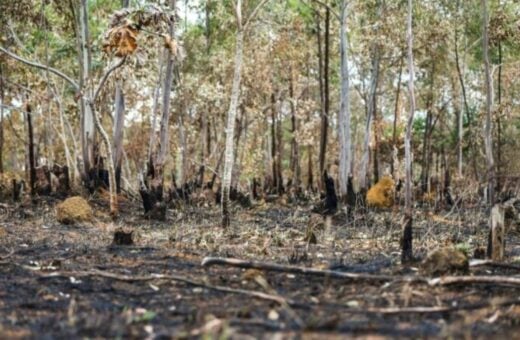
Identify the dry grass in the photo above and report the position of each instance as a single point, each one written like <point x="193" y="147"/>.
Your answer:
<point x="74" y="209"/>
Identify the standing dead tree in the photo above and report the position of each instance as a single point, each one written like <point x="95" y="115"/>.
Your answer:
<point x="488" y="129"/>
<point x="233" y="105"/>
<point x="121" y="40"/>
<point x="406" y="242"/>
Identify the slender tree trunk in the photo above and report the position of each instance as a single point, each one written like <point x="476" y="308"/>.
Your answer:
<point x="182" y="173"/>
<point x="407" y="250"/>
<point x="279" y="153"/>
<point x="274" y="158"/>
<point x="363" y="180"/>
<point x="30" y="142"/>
<point x="466" y="106"/>
<point x="488" y="129"/>
<point x="164" y="138"/>
<point x="153" y="194"/>
<point x="457" y="104"/>
<point x="119" y="122"/>
<point x="155" y="106"/>
<point x="393" y="169"/>
<point x="230" y="127"/>
<point x="499" y="123"/>
<point x="345" y="154"/>
<point x="325" y="113"/>
<point x="2" y="119"/>
<point x="295" y="153"/>
<point x="87" y="118"/>
<point x="118" y="132"/>
<point x="428" y="130"/>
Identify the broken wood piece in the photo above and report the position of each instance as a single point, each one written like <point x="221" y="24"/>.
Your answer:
<point x="495" y="280"/>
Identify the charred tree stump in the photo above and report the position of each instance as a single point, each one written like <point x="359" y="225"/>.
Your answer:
<point x="123" y="237"/>
<point x="43" y="187"/>
<point x="329" y="205"/>
<point x="152" y="195"/>
<point x="406" y="241"/>
<point x="62" y="186"/>
<point x="17" y="189"/>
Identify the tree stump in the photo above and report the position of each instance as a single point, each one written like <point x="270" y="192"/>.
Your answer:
<point x="496" y="240"/>
<point x="43" y="181"/>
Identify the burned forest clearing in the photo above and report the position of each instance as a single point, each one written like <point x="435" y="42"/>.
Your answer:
<point x="259" y="169"/>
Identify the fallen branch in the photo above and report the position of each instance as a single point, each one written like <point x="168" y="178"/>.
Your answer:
<point x="288" y="302"/>
<point x="170" y="277"/>
<point x="443" y="309"/>
<point x="491" y="263"/>
<point x="211" y="261"/>
<point x="495" y="280"/>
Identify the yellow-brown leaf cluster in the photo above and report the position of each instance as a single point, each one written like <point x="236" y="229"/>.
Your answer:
<point x="381" y="195"/>
<point x="121" y="40"/>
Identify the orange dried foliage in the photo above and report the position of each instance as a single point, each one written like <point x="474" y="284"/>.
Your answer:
<point x="121" y="40"/>
<point x="381" y="195"/>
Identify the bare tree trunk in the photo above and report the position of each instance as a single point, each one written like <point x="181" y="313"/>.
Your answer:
<point x="406" y="245"/>
<point x="345" y="154"/>
<point x="87" y="118"/>
<point x="279" y="153"/>
<point x="153" y="195"/>
<point x="183" y="150"/>
<point x="233" y="105"/>
<point x="393" y="169"/>
<point x="428" y="130"/>
<point x="460" y="74"/>
<point x="118" y="132"/>
<point x="325" y="112"/>
<point x="488" y="129"/>
<point x="30" y="142"/>
<point x="295" y="150"/>
<point x="1" y="119"/>
<point x="119" y="123"/>
<point x="498" y="169"/>
<point x="363" y="180"/>
<point x="230" y="127"/>
<point x="156" y="95"/>
<point x="274" y="159"/>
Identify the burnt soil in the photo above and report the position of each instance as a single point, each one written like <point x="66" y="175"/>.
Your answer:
<point x="45" y="292"/>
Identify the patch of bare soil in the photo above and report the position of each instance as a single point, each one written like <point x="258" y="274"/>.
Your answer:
<point x="71" y="281"/>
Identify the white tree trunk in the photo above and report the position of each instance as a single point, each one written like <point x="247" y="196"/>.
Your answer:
<point x="119" y="121"/>
<point x="87" y="119"/>
<point x="407" y="230"/>
<point x="230" y="128"/>
<point x="370" y="115"/>
<point x="488" y="129"/>
<point x="345" y="154"/>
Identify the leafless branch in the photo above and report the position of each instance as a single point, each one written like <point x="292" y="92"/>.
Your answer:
<point x="321" y="3"/>
<point x="40" y="66"/>
<point x="254" y="13"/>
<point x="105" y="77"/>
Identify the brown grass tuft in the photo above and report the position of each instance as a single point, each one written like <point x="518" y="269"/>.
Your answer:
<point x="74" y="209"/>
